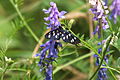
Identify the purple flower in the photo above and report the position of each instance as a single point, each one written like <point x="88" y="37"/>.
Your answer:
<point x="97" y="30"/>
<point x="47" y="56"/>
<point x="99" y="10"/>
<point x="54" y="16"/>
<point x="102" y="75"/>
<point x="49" y="51"/>
<point x="100" y="13"/>
<point x="115" y="7"/>
<point x="102" y="72"/>
<point x="49" y="72"/>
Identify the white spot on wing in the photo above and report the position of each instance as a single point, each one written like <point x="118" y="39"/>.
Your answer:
<point x="69" y="34"/>
<point x="53" y="34"/>
<point x="64" y="38"/>
<point x="72" y="40"/>
<point x="75" y="38"/>
<point x="62" y="34"/>
<point x="49" y="36"/>
<point x="56" y="36"/>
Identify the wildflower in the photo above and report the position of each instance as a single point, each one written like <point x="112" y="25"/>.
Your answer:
<point x="115" y="7"/>
<point x="102" y="75"/>
<point x="49" y="72"/>
<point x="100" y="14"/>
<point x="54" y="16"/>
<point x="49" y="53"/>
<point x="102" y="72"/>
<point x="99" y="10"/>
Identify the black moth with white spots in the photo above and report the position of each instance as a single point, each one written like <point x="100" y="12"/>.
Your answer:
<point x="66" y="35"/>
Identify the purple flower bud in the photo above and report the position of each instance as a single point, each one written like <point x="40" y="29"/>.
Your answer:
<point x="95" y="55"/>
<point x="53" y="4"/>
<point x="37" y="55"/>
<point x="99" y="50"/>
<point x="99" y="43"/>
<point x="96" y="29"/>
<point x="61" y="15"/>
<point x="47" y="11"/>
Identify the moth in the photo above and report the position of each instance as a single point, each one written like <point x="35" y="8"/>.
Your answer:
<point x="66" y="35"/>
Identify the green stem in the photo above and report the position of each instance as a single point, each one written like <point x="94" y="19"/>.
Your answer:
<point x="98" y="68"/>
<point x="63" y="55"/>
<point x="90" y="47"/>
<point x="111" y="72"/>
<point x="6" y="67"/>
<point x="71" y="62"/>
<point x="111" y="69"/>
<point x="17" y="69"/>
<point x="24" y="22"/>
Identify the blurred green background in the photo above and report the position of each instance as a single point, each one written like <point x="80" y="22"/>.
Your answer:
<point x="17" y="43"/>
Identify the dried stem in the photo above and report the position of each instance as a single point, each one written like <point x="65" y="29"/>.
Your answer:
<point x="91" y="36"/>
<point x="78" y="75"/>
<point x="38" y="45"/>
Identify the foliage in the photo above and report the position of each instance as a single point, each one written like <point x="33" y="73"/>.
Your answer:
<point x="22" y="31"/>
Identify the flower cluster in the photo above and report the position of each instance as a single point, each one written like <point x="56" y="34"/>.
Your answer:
<point x="54" y="16"/>
<point x="50" y="49"/>
<point x="99" y="10"/>
<point x="102" y="72"/>
<point x="115" y="7"/>
<point x="46" y="59"/>
<point x="100" y="13"/>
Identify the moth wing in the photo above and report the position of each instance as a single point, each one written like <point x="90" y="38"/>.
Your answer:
<point x="54" y="34"/>
<point x="69" y="37"/>
<point x="65" y="36"/>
